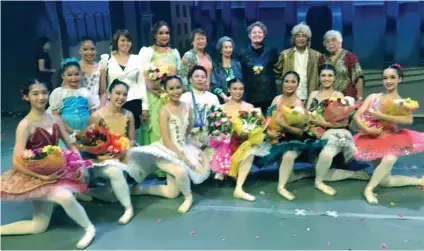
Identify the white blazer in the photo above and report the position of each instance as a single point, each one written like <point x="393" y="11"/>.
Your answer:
<point x="131" y="75"/>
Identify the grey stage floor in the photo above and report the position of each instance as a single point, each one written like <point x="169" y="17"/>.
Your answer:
<point x="217" y="221"/>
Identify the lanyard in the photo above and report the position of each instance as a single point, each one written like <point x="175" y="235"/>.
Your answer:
<point x="199" y="115"/>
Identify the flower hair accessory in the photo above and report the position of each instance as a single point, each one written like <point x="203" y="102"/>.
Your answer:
<point x="397" y="66"/>
<point x="67" y="61"/>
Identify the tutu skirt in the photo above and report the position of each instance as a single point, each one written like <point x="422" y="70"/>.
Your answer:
<point x="399" y="143"/>
<point x="17" y="186"/>
<point x="142" y="161"/>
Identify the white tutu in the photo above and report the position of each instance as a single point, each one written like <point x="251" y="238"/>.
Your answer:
<point x="142" y="160"/>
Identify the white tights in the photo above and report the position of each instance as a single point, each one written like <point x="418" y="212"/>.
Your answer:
<point x="243" y="172"/>
<point x="325" y="159"/>
<point x="177" y="181"/>
<point x="381" y="176"/>
<point x="286" y="174"/>
<point x="43" y="209"/>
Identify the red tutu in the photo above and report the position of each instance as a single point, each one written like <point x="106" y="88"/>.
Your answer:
<point x="399" y="143"/>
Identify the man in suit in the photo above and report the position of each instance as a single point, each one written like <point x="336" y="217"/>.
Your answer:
<point x="301" y="59"/>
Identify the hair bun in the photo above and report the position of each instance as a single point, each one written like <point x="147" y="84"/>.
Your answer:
<point x="397" y="66"/>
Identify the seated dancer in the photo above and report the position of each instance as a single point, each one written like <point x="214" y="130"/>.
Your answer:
<point x="182" y="162"/>
<point x="238" y="162"/>
<point x="37" y="130"/>
<point x="290" y="143"/>
<point x="70" y="101"/>
<point x="111" y="166"/>
<point x="338" y="139"/>
<point x="382" y="141"/>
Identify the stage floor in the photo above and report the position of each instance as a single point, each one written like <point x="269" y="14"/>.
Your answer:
<point x="218" y="221"/>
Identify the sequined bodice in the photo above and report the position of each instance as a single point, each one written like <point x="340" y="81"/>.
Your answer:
<point x="119" y="126"/>
<point x="41" y="137"/>
<point x="177" y="128"/>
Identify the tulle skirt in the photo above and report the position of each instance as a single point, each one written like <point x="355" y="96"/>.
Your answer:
<point x="142" y="161"/>
<point x="17" y="186"/>
<point x="399" y="143"/>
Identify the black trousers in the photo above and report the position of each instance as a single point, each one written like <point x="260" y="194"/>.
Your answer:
<point x="135" y="107"/>
<point x="264" y="105"/>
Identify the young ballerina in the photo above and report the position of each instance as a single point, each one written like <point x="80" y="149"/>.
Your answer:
<point x="339" y="139"/>
<point x="385" y="144"/>
<point x="36" y="130"/>
<point x="93" y="75"/>
<point x="118" y="120"/>
<point x="182" y="162"/>
<point x="72" y="103"/>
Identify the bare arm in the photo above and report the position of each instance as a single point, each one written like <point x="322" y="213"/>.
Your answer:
<point x="41" y="66"/>
<point x="360" y="87"/>
<point x="190" y="121"/>
<point x="403" y="120"/>
<point x="358" y="115"/>
<point x="131" y="130"/>
<point x="64" y="134"/>
<point x="163" y="127"/>
<point x="103" y="87"/>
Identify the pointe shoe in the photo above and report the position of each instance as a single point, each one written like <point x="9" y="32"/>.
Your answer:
<point x="126" y="217"/>
<point x="188" y="202"/>
<point x="325" y="189"/>
<point x="370" y="197"/>
<point x="240" y="194"/>
<point x="86" y="240"/>
<point x="285" y="193"/>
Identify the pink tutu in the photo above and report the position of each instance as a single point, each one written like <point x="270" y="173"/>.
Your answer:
<point x="221" y="161"/>
<point x="399" y="143"/>
<point x="17" y="186"/>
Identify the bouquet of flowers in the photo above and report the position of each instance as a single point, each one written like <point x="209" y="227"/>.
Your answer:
<point x="397" y="107"/>
<point x="157" y="73"/>
<point x="50" y="159"/>
<point x="218" y="123"/>
<point x="94" y="140"/>
<point x="339" y="109"/>
<point x="294" y="115"/>
<point x="253" y="125"/>
<point x="119" y="143"/>
<point x="219" y="129"/>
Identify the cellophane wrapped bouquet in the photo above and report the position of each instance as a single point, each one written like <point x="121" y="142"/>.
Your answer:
<point x="219" y="130"/>
<point x="397" y="107"/>
<point x="50" y="159"/>
<point x="157" y="73"/>
<point x="253" y="125"/>
<point x="97" y="140"/>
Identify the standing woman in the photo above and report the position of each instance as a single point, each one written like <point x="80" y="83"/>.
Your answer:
<point x="161" y="55"/>
<point x="224" y="69"/>
<point x="385" y="145"/>
<point x="44" y="62"/>
<point x="93" y="75"/>
<point x="349" y="76"/>
<point x="197" y="56"/>
<point x="125" y="66"/>
<point x="257" y="61"/>
<point x="39" y="129"/>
